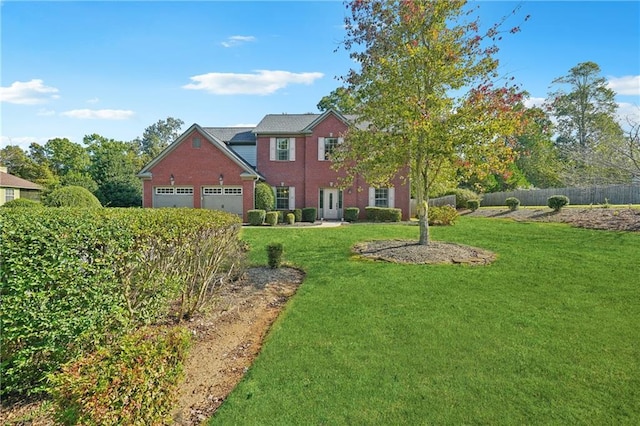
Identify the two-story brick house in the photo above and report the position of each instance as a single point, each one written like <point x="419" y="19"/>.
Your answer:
<point x="218" y="167"/>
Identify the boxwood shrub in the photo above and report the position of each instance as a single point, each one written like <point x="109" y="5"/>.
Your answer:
<point x="473" y="205"/>
<point x="513" y="203"/>
<point x="256" y="217"/>
<point x="291" y="218"/>
<point x="274" y="254"/>
<point x="383" y="214"/>
<point x="351" y="214"/>
<point x="557" y="202"/>
<point x="298" y="214"/>
<point x="309" y="214"/>
<point x="271" y="218"/>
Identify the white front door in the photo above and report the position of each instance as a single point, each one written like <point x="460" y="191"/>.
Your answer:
<point x="330" y="205"/>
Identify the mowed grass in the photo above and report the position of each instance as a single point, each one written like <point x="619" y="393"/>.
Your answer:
<point x="548" y="334"/>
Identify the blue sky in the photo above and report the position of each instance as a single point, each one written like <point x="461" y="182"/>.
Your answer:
<point x="70" y="69"/>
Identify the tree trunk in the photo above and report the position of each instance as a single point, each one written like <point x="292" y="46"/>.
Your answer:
<point x="424" y="224"/>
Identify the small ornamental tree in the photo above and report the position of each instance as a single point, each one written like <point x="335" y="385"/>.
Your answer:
<point x="265" y="200"/>
<point x="425" y="90"/>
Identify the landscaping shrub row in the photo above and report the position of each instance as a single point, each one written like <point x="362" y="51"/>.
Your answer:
<point x="74" y="279"/>
<point x="383" y="214"/>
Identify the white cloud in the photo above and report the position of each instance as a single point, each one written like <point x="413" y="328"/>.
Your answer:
<point x="45" y="112"/>
<point x="627" y="85"/>
<point x="237" y="40"/>
<point x="93" y="100"/>
<point x="262" y="82"/>
<point x="28" y="93"/>
<point x="534" y="102"/>
<point x="23" y="142"/>
<point x="627" y="111"/>
<point x="100" y="114"/>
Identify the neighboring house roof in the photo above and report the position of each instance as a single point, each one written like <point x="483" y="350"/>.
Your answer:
<point x="10" y="181"/>
<point x="233" y="135"/>
<point x="248" y="170"/>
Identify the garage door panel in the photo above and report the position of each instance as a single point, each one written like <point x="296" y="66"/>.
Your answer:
<point x="173" y="197"/>
<point x="225" y="198"/>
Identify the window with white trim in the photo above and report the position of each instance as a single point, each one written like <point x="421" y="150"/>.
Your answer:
<point x="282" y="198"/>
<point x="9" y="194"/>
<point x="282" y="149"/>
<point x="381" y="197"/>
<point x="326" y="146"/>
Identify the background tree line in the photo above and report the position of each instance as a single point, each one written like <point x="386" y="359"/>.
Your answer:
<point x="106" y="167"/>
<point x="574" y="139"/>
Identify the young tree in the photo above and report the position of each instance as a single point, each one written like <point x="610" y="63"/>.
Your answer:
<point x="424" y="89"/>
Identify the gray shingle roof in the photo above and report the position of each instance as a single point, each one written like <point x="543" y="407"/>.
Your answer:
<point x="284" y="123"/>
<point x="233" y="135"/>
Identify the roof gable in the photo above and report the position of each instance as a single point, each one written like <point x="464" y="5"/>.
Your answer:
<point x="246" y="167"/>
<point x="295" y="123"/>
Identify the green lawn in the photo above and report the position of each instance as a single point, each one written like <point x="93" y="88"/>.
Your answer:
<point x="548" y="334"/>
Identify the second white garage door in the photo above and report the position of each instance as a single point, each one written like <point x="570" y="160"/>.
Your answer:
<point x="226" y="198"/>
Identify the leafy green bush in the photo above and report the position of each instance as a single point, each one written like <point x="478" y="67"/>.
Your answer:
<point x="274" y="253"/>
<point x="256" y="217"/>
<point x="74" y="278"/>
<point x="298" y="214"/>
<point x="513" y="203"/>
<point x="557" y="202"/>
<point x="71" y="196"/>
<point x="309" y="214"/>
<point x="473" y="205"/>
<point x="280" y="216"/>
<point x="291" y="218"/>
<point x="264" y="197"/>
<point x="351" y="214"/>
<point x="271" y="218"/>
<point x="132" y="382"/>
<point x="22" y="203"/>
<point x="462" y="196"/>
<point x="383" y="214"/>
<point x="445" y="215"/>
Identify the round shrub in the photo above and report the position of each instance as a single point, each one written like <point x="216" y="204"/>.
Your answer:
<point x="22" y="203"/>
<point x="271" y="218"/>
<point x="351" y="214"/>
<point x="513" y="203"/>
<point x="444" y="215"/>
<point x="462" y="196"/>
<point x="473" y="205"/>
<point x="556" y="202"/>
<point x="298" y="214"/>
<point x="309" y="214"/>
<point x="72" y="196"/>
<point x="274" y="253"/>
<point x="291" y="218"/>
<point x="264" y="198"/>
<point x="256" y="217"/>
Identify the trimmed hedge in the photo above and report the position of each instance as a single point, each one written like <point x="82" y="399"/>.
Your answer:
<point x="473" y="205"/>
<point x="291" y="218"/>
<point x="134" y="381"/>
<point x="298" y="214"/>
<point x="351" y="214"/>
<point x="383" y="214"/>
<point x="271" y="218"/>
<point x="256" y="217"/>
<point x="22" y="203"/>
<point x="74" y="278"/>
<point x="274" y="253"/>
<point x="513" y="203"/>
<point x="309" y="214"/>
<point x="72" y="196"/>
<point x="557" y="202"/>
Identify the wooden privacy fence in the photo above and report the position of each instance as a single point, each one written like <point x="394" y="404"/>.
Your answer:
<point x="447" y="200"/>
<point x="600" y="194"/>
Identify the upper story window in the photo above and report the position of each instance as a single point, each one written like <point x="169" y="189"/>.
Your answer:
<point x="326" y="146"/>
<point x="282" y="149"/>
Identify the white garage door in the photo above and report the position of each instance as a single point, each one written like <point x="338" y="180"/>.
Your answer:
<point x="226" y="198"/>
<point x="173" y="196"/>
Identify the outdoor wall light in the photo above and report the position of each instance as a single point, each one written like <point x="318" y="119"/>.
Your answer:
<point x="172" y="180"/>
<point x="281" y="183"/>
<point x="221" y="179"/>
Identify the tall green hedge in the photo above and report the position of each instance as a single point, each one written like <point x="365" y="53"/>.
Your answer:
<point x="74" y="278"/>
